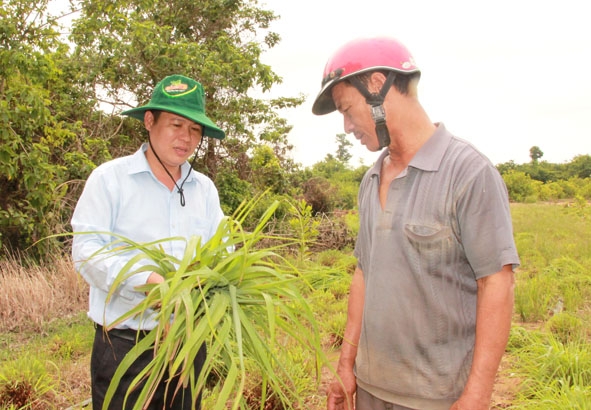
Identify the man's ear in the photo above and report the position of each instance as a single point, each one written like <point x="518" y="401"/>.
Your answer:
<point x="376" y="81"/>
<point x="148" y="120"/>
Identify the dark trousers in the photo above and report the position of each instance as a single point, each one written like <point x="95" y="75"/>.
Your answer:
<point x="107" y="353"/>
<point x="366" y="401"/>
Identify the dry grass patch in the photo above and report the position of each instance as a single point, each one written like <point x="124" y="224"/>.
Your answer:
<point x="35" y="295"/>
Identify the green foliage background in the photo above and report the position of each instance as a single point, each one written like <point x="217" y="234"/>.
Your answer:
<point x="64" y="79"/>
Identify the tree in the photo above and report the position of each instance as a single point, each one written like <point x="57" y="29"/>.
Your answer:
<point x="535" y="153"/>
<point x="329" y="167"/>
<point x="266" y="170"/>
<point x="580" y="166"/>
<point x="34" y="134"/>
<point x="505" y="167"/>
<point x="127" y="46"/>
<point x="55" y="124"/>
<point x="343" y="153"/>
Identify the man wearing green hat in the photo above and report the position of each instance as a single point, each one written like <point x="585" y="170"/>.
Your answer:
<point x="150" y="195"/>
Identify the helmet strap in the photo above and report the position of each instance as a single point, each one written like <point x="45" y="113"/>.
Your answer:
<point x="376" y="101"/>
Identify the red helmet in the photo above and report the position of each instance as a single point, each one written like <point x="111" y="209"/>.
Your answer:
<point x="358" y="56"/>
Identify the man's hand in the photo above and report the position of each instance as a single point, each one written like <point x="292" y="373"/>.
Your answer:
<point x="154" y="278"/>
<point x="465" y="403"/>
<point x="339" y="398"/>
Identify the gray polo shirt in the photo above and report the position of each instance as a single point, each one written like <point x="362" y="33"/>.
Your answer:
<point x="446" y="224"/>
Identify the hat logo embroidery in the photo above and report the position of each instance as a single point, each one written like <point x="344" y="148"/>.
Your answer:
<point x="178" y="88"/>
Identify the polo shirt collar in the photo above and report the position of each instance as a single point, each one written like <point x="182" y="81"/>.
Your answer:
<point x="428" y="157"/>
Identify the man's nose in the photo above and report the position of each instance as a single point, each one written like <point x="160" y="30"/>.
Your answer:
<point x="347" y="125"/>
<point x="186" y="133"/>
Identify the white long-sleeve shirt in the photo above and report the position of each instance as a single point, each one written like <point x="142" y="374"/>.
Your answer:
<point x="124" y="197"/>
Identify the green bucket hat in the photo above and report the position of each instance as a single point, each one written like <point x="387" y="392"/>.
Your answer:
<point x="182" y="96"/>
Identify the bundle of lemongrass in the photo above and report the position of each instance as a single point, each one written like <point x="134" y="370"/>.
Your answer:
<point x="230" y="294"/>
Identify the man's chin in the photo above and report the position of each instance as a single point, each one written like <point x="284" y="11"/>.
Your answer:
<point x="372" y="148"/>
<point x="368" y="145"/>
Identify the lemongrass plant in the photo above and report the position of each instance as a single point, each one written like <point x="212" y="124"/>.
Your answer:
<point x="232" y="293"/>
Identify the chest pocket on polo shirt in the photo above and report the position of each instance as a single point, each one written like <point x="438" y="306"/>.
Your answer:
<point x="432" y="243"/>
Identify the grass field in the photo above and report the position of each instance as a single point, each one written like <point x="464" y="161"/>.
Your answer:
<point x="45" y="337"/>
<point x="549" y="349"/>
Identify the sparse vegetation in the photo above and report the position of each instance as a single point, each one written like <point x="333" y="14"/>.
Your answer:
<point x="550" y="348"/>
<point x="546" y="366"/>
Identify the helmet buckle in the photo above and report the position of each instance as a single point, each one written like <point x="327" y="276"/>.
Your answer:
<point x="378" y="114"/>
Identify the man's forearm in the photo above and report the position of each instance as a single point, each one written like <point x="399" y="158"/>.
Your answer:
<point x="354" y="318"/>
<point x="493" y="323"/>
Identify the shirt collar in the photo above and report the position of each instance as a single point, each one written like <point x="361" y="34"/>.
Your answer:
<point x="139" y="163"/>
<point x="428" y="157"/>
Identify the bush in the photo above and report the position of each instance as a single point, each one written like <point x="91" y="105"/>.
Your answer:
<point x="551" y="191"/>
<point x="519" y="185"/>
<point x="319" y="194"/>
<point x="232" y="190"/>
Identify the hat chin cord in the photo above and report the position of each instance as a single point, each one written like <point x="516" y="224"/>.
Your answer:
<point x="376" y="101"/>
<point x="179" y="188"/>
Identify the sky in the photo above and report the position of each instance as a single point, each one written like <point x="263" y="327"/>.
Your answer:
<point x="504" y="75"/>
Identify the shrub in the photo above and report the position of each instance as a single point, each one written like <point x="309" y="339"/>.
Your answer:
<point x="25" y="383"/>
<point x="566" y="327"/>
<point x="550" y="191"/>
<point x="320" y="194"/>
<point x="519" y="185"/>
<point x="232" y="190"/>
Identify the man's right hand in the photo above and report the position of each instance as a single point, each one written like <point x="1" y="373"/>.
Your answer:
<point x="155" y="278"/>
<point x="341" y="392"/>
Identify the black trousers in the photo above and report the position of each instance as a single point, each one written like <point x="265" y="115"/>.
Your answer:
<point x="107" y="353"/>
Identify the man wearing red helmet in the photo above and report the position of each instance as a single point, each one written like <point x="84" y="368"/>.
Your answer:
<point x="431" y="299"/>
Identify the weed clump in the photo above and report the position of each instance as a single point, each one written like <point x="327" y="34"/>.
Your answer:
<point x="24" y="384"/>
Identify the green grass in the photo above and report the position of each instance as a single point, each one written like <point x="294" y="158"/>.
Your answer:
<point x="549" y="351"/>
<point x="555" y="374"/>
<point x="546" y="232"/>
<point x="62" y="339"/>
<point x="552" y="360"/>
<point x="554" y="245"/>
<point x="41" y="367"/>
